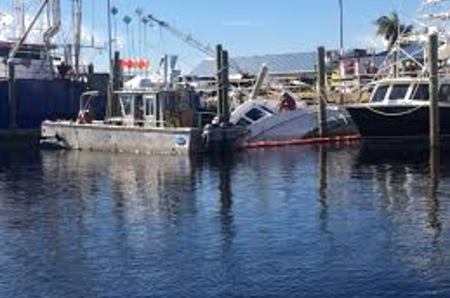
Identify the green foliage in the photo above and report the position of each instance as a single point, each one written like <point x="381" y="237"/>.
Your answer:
<point x="390" y="28"/>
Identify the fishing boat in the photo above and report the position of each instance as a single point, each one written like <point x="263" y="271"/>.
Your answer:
<point x="35" y="83"/>
<point x="399" y="108"/>
<point x="148" y="121"/>
<point x="286" y="121"/>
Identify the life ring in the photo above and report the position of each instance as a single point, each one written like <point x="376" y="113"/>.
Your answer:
<point x="287" y="104"/>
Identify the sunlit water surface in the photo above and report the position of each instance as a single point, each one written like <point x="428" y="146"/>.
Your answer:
<point x="350" y="221"/>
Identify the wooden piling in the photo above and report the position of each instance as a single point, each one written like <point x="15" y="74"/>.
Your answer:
<point x="321" y="92"/>
<point x="434" y="108"/>
<point x="225" y="88"/>
<point x="219" y="61"/>
<point x="12" y="94"/>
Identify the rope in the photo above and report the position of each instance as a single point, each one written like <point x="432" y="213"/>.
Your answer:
<point x="393" y="114"/>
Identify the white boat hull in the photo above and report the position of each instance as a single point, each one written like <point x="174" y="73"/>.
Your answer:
<point x="104" y="137"/>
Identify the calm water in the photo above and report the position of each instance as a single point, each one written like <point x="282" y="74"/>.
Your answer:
<point x="351" y="221"/>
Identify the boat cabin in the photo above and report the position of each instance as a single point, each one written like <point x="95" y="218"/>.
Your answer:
<point x="148" y="108"/>
<point x="252" y="111"/>
<point x="404" y="90"/>
<point x="32" y="61"/>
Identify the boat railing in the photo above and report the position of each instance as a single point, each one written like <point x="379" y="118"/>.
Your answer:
<point x="89" y="95"/>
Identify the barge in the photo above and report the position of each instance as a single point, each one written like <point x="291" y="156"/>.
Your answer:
<point x="148" y="122"/>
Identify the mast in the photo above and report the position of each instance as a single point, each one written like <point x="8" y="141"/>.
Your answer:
<point x="19" y="17"/>
<point x="77" y="18"/>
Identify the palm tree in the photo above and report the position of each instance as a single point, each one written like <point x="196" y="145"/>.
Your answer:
<point x="391" y="29"/>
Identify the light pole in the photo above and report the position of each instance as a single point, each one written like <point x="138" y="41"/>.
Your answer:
<point x="145" y="20"/>
<point x="341" y="25"/>
<point x="127" y="21"/>
<point x="139" y="13"/>
<point x="114" y="12"/>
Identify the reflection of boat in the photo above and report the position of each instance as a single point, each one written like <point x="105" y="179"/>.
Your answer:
<point x="268" y="122"/>
<point x="399" y="107"/>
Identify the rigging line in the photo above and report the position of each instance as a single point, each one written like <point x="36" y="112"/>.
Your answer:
<point x="399" y="114"/>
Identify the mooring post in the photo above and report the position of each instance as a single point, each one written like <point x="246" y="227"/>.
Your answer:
<point x="321" y="92"/>
<point x="219" y="60"/>
<point x="116" y="80"/>
<point x="434" y="108"/>
<point x="225" y="87"/>
<point x="12" y="94"/>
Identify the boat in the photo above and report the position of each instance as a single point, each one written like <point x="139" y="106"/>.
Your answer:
<point x="148" y="121"/>
<point x="286" y="121"/>
<point x="36" y="82"/>
<point x="399" y="108"/>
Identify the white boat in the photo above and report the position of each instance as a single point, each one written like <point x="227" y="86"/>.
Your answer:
<point x="269" y="122"/>
<point x="148" y="122"/>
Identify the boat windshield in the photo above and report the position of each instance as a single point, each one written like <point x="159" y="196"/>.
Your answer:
<point x="398" y="91"/>
<point x="444" y="93"/>
<point x="380" y="93"/>
<point x="255" y="114"/>
<point x="421" y="92"/>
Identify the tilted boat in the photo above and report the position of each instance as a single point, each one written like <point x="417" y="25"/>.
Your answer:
<point x="273" y="121"/>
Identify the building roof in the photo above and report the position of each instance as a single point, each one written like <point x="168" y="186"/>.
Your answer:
<point x="292" y="63"/>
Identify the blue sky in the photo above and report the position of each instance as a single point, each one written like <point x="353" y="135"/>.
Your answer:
<point x="246" y="27"/>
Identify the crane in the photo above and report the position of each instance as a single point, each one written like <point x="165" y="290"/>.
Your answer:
<point x="190" y="40"/>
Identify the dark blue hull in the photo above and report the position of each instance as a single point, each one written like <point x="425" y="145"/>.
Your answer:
<point x="39" y="100"/>
<point x="397" y="122"/>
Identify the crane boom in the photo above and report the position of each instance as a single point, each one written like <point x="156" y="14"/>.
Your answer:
<point x="189" y="39"/>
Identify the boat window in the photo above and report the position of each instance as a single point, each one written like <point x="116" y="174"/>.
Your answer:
<point x="267" y="110"/>
<point x="150" y="106"/>
<point x="127" y="101"/>
<point x="243" y="122"/>
<point x="255" y="114"/>
<point x="399" y="91"/>
<point x="421" y="92"/>
<point x="444" y="93"/>
<point x="380" y="93"/>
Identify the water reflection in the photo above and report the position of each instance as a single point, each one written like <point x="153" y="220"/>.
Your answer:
<point x="408" y="182"/>
<point x="433" y="199"/>
<point x="321" y="221"/>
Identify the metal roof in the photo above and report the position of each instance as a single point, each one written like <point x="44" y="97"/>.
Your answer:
<point x="278" y="64"/>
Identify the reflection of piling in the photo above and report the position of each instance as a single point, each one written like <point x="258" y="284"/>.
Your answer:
<point x="323" y="175"/>
<point x="433" y="204"/>
<point x="12" y="94"/>
<point x="321" y="94"/>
